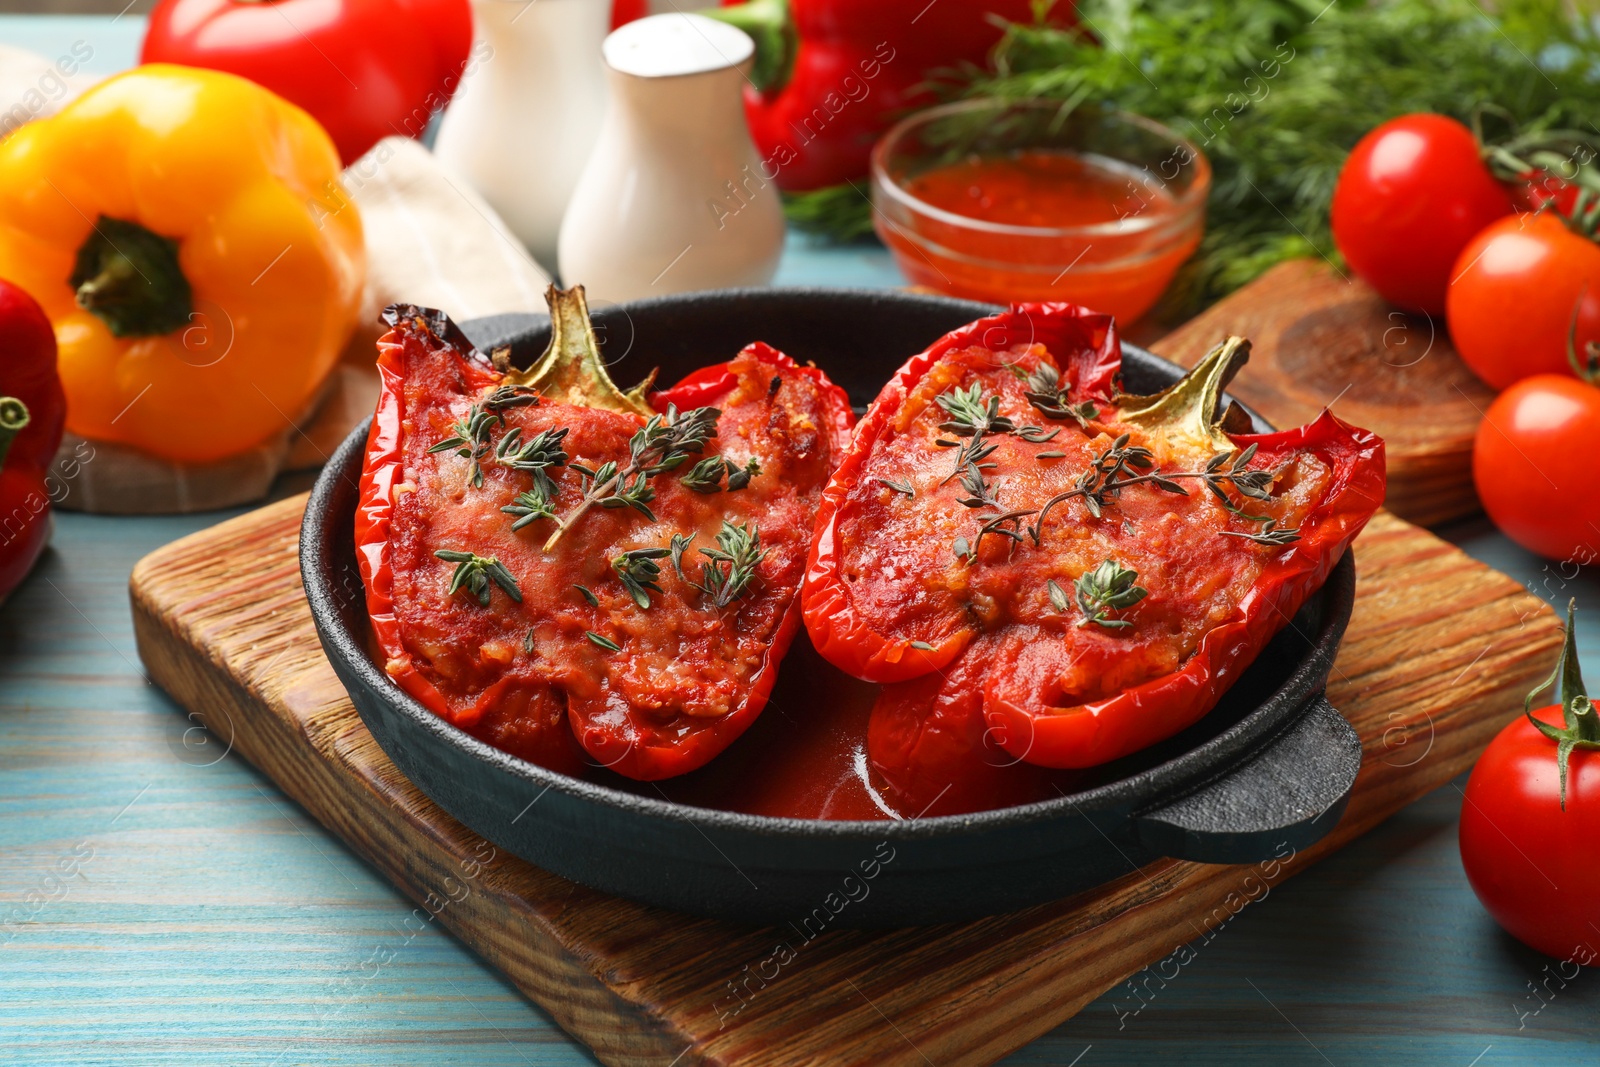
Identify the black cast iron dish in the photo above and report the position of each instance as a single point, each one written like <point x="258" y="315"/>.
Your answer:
<point x="1267" y="772"/>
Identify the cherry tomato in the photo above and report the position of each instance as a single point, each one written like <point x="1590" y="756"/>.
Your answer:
<point x="1518" y="285"/>
<point x="1411" y="195"/>
<point x="1534" y="466"/>
<point x="1527" y="839"/>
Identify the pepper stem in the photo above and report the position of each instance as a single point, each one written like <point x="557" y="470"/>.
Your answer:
<point x="129" y="278"/>
<point x="770" y="27"/>
<point x="1192" y="405"/>
<point x="13" y="420"/>
<point x="1582" y="721"/>
<point x="571" y="370"/>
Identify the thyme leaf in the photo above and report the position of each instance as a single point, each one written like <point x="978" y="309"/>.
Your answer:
<point x="602" y="641"/>
<point x="1058" y="596"/>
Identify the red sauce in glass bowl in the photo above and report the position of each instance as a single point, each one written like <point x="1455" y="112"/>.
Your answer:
<point x="1007" y="202"/>
<point x="1037" y="187"/>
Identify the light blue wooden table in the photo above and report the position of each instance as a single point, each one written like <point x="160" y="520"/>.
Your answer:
<point x="206" y="920"/>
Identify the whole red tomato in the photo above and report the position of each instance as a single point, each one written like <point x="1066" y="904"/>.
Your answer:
<point x="365" y="69"/>
<point x="1531" y="821"/>
<point x="1411" y="195"/>
<point x="1518" y="285"/>
<point x="1534" y="463"/>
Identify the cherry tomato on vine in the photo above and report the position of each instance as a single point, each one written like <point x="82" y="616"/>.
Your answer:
<point x="1531" y="819"/>
<point x="1534" y="463"/>
<point x="1411" y="195"/>
<point x="1518" y="285"/>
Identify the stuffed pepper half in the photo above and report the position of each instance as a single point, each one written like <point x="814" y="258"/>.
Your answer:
<point x="581" y="575"/>
<point x="1045" y="572"/>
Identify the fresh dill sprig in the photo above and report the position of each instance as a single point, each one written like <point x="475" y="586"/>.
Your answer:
<point x="1276" y="93"/>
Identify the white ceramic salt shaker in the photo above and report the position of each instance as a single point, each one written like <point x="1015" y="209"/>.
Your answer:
<point x="675" y="196"/>
<point x="528" y="110"/>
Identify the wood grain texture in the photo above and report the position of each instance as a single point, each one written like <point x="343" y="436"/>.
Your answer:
<point x="1438" y="650"/>
<point x="1319" y="340"/>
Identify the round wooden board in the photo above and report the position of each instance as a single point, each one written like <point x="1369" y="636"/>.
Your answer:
<point x="1320" y="340"/>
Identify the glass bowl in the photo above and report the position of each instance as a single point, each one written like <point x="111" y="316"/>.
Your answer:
<point x="1120" y="263"/>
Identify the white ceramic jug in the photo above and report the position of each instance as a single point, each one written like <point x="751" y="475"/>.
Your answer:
<point x="675" y="197"/>
<point x="524" y="120"/>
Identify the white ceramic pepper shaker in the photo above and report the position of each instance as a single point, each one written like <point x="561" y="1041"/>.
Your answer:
<point x="675" y="196"/>
<point x="524" y="120"/>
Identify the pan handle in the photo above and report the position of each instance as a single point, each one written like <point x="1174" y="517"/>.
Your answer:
<point x="1291" y="791"/>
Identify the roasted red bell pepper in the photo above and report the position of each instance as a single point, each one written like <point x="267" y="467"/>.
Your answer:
<point x="364" y="69"/>
<point x="833" y="74"/>
<point x="32" y="413"/>
<point x="1045" y="571"/>
<point x="575" y="574"/>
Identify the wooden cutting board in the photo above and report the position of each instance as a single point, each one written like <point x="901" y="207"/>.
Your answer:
<point x="1438" y="656"/>
<point x="1320" y="340"/>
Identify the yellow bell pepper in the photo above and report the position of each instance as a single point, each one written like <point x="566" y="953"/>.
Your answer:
<point x="175" y="224"/>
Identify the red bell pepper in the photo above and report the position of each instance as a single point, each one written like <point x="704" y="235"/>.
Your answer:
<point x="833" y="74"/>
<point x="32" y="414"/>
<point x="625" y="11"/>
<point x="574" y="574"/>
<point x="364" y="69"/>
<point x="1044" y="571"/>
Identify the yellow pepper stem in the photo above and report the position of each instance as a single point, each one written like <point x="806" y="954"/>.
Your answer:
<point x="13" y="420"/>
<point x="129" y="278"/>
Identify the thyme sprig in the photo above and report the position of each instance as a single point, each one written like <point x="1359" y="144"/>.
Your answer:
<point x="706" y="476"/>
<point x="478" y="574"/>
<point x="531" y="506"/>
<point x="976" y="417"/>
<point x="1051" y="401"/>
<point x="535" y="456"/>
<point x="898" y="487"/>
<point x="1121" y="465"/>
<point x="638" y="570"/>
<point x="980" y="493"/>
<point x="470" y="435"/>
<point x="729" y="568"/>
<point x="1109" y="587"/>
<point x="662" y="444"/>
<point x="470" y="439"/>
